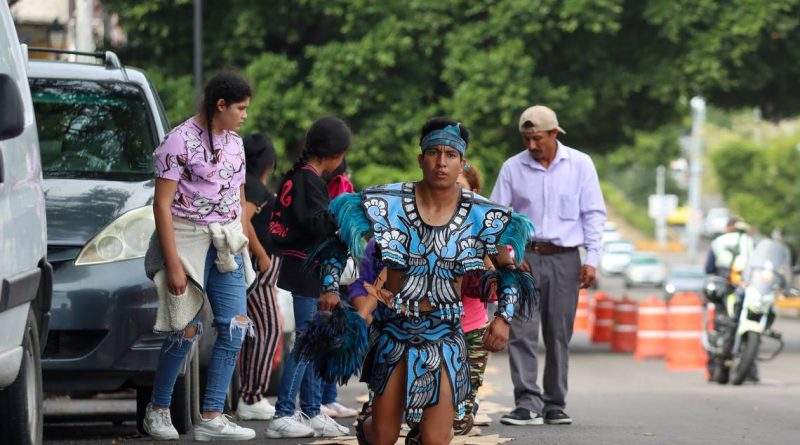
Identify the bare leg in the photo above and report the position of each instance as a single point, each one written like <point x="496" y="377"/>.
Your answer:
<point x="383" y="427"/>
<point x="436" y="427"/>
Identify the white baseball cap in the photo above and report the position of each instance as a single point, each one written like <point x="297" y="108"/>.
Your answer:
<point x="542" y="119"/>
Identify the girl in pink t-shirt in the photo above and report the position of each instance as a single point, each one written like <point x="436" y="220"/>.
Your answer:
<point x="199" y="169"/>
<point x="474" y="321"/>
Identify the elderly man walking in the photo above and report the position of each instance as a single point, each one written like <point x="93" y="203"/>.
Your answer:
<point x="557" y="188"/>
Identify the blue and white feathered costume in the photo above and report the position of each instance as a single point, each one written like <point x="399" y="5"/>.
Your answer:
<point x="432" y="258"/>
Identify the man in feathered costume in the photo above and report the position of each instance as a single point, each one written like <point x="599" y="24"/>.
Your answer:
<point x="429" y="233"/>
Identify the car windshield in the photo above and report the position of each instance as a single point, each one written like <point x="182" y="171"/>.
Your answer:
<point x="91" y="129"/>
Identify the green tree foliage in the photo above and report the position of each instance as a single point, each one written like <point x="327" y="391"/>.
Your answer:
<point x="610" y="68"/>
<point x="762" y="183"/>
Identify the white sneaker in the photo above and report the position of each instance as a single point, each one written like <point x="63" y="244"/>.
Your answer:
<point x="158" y="424"/>
<point x="336" y="409"/>
<point x="221" y="428"/>
<point x="288" y="427"/>
<point x="324" y="426"/>
<point x="261" y="410"/>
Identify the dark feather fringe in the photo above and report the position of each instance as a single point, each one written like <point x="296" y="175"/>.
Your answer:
<point x="330" y="248"/>
<point x="352" y="221"/>
<point x="517" y="234"/>
<point x="516" y="278"/>
<point x="336" y="342"/>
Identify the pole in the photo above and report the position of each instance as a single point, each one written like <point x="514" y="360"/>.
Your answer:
<point x="661" y="217"/>
<point x="698" y="105"/>
<point x="198" y="51"/>
<point x="84" y="15"/>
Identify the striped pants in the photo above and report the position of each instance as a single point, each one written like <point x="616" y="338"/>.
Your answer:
<point x="257" y="353"/>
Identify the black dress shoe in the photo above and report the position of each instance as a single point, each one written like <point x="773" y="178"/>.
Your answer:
<point x="557" y="417"/>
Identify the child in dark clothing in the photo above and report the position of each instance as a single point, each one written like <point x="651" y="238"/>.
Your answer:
<point x="300" y="222"/>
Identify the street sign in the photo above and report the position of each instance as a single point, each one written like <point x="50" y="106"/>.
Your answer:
<point x="661" y="205"/>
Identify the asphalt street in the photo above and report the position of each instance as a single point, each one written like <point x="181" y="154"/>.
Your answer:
<point x="613" y="399"/>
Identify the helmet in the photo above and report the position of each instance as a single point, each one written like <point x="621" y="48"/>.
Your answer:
<point x="715" y="288"/>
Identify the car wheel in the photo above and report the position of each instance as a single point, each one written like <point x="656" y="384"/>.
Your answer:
<point x="182" y="407"/>
<point x="21" y="403"/>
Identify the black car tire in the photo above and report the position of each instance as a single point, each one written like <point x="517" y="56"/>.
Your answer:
<point x="21" y="403"/>
<point x="184" y="407"/>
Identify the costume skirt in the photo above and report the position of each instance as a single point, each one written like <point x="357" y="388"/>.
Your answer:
<point x="428" y="345"/>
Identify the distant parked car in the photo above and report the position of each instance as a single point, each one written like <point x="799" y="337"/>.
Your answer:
<point x="616" y="256"/>
<point x="715" y="221"/>
<point x="610" y="233"/>
<point x="645" y="269"/>
<point x="684" y="278"/>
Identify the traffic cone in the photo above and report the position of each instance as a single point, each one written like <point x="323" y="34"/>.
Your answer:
<point x="582" y="314"/>
<point x="623" y="337"/>
<point x="603" y="318"/>
<point x="685" y="322"/>
<point x="651" y="329"/>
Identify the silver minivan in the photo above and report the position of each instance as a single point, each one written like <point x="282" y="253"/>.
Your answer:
<point x="25" y="275"/>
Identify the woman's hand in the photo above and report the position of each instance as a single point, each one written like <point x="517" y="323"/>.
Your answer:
<point x="264" y="262"/>
<point x="176" y="279"/>
<point x="328" y="301"/>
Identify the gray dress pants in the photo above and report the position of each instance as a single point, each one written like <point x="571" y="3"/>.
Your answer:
<point x="557" y="285"/>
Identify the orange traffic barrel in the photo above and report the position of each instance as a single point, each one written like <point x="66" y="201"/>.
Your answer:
<point x="582" y="314"/>
<point x="603" y="318"/>
<point x="651" y="329"/>
<point x="684" y="339"/>
<point x="623" y="338"/>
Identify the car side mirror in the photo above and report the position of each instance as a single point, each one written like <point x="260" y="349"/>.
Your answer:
<point x="12" y="119"/>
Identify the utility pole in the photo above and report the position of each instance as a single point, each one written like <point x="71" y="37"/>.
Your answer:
<point x="198" y="51"/>
<point x="661" y="218"/>
<point x="698" y="105"/>
<point x="84" y="16"/>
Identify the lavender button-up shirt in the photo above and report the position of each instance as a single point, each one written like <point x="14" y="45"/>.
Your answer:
<point x="564" y="201"/>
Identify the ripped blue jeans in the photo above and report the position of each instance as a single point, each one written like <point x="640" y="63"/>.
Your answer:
<point x="227" y="294"/>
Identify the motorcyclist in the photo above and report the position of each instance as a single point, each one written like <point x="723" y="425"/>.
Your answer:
<point x="726" y="259"/>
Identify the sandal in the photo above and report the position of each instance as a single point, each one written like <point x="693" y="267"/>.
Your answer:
<point x="366" y="413"/>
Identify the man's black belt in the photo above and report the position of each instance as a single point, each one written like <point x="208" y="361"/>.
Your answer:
<point x="548" y="248"/>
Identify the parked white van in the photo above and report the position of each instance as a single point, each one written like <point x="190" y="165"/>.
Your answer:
<point x="25" y="275"/>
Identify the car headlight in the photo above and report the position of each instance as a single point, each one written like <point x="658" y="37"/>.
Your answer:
<point x="125" y="238"/>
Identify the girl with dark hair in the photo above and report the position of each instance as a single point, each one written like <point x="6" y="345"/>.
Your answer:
<point x="338" y="184"/>
<point x="300" y="222"/>
<point x="474" y="320"/>
<point x="262" y="302"/>
<point x="197" y="253"/>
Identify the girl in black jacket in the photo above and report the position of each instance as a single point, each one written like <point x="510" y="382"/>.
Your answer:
<point x="300" y="222"/>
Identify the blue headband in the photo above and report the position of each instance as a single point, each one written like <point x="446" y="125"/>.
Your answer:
<point x="449" y="136"/>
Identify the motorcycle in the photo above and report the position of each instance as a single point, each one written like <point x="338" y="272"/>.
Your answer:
<point x="737" y="339"/>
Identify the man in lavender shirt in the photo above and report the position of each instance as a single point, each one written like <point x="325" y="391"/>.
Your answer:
<point x="557" y="188"/>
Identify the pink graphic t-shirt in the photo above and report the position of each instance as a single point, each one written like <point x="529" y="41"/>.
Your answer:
<point x="208" y="191"/>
